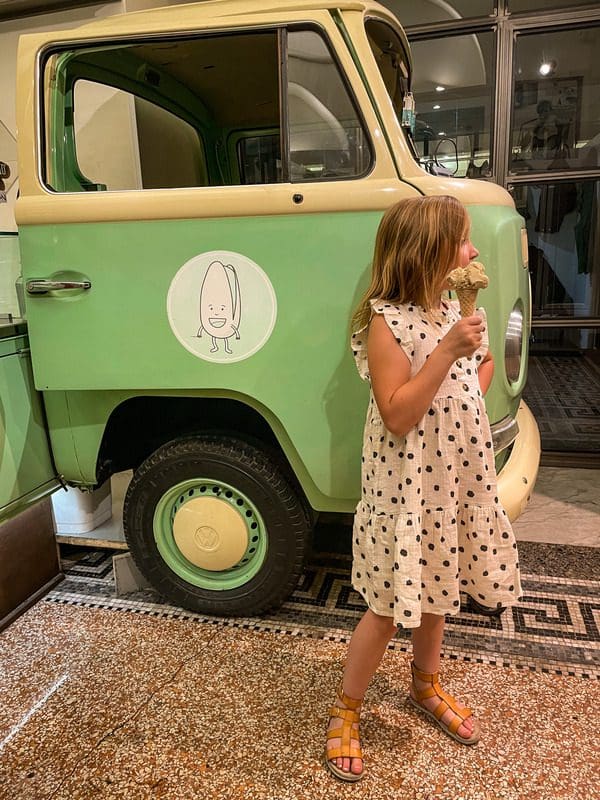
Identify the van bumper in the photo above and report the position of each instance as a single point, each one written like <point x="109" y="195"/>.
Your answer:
<point x="517" y="477"/>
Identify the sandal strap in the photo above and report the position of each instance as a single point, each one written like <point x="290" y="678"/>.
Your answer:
<point x="446" y="701"/>
<point x="342" y="752"/>
<point x="429" y="677"/>
<point x="336" y="733"/>
<point x="346" y="749"/>
<point x="346" y="714"/>
<point x="350" y="702"/>
<point x="345" y="731"/>
<point x="450" y="703"/>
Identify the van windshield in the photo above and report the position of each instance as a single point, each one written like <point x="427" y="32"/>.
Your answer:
<point x="394" y="65"/>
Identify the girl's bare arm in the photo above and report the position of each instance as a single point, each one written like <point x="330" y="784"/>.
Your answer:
<point x="402" y="400"/>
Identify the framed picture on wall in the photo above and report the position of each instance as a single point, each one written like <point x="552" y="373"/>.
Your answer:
<point x="546" y="118"/>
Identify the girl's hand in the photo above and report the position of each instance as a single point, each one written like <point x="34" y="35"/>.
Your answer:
<point x="464" y="337"/>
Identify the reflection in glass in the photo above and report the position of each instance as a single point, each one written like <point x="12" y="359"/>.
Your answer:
<point x="556" y="101"/>
<point x="453" y="87"/>
<point x="516" y="6"/>
<point x="259" y="158"/>
<point x="426" y="11"/>
<point x="8" y="178"/>
<point x="564" y="246"/>
<point x="563" y="387"/>
<point x="327" y="141"/>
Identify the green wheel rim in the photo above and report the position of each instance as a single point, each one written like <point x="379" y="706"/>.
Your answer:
<point x="234" y="577"/>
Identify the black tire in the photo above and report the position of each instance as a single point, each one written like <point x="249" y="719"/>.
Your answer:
<point x="256" y="476"/>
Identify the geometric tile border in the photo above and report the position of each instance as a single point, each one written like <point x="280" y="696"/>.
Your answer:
<point x="555" y="628"/>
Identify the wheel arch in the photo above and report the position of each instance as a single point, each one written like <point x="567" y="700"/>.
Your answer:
<point x="140" y="425"/>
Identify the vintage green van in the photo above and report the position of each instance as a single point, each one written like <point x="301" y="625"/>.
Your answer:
<point x="200" y="188"/>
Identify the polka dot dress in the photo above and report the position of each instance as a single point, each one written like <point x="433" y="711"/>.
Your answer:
<point x="429" y="523"/>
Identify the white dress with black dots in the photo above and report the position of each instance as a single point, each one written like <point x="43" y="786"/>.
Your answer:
<point x="429" y="523"/>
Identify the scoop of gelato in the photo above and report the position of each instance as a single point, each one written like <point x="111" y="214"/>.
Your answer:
<point x="470" y="277"/>
<point x="466" y="282"/>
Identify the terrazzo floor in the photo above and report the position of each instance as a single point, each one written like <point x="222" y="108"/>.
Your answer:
<point x="129" y="698"/>
<point x="125" y="706"/>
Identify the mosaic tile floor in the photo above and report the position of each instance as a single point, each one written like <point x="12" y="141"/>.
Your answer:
<point x="563" y="393"/>
<point x="555" y="628"/>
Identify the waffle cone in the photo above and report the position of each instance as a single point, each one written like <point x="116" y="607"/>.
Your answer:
<point x="468" y="300"/>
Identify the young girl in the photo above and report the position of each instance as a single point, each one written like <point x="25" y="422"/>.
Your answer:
<point x="429" y="523"/>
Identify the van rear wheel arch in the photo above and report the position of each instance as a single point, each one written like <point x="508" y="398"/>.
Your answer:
<point x="140" y="425"/>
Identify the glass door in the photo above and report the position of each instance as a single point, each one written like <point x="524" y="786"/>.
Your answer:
<point x="554" y="170"/>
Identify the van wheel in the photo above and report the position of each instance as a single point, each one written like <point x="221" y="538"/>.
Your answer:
<point x="214" y="526"/>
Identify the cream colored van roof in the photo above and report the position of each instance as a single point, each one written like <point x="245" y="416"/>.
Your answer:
<point x="213" y="12"/>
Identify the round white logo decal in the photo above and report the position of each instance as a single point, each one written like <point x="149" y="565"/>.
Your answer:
<point x="221" y="306"/>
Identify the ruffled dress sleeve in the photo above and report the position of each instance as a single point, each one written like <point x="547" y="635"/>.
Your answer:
<point x="396" y="322"/>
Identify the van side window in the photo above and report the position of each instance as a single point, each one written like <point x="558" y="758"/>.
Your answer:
<point x="125" y="142"/>
<point x="199" y="112"/>
<point x="259" y="158"/>
<point x="326" y="137"/>
<point x="160" y="114"/>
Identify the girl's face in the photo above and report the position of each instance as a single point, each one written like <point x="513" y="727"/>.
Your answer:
<point x="467" y="252"/>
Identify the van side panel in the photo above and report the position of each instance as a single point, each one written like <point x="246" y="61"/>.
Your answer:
<point x="496" y="232"/>
<point x="62" y="438"/>
<point x="27" y="470"/>
<point x="117" y="335"/>
<point x="318" y="429"/>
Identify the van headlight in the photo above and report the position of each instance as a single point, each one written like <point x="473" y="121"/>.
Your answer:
<point x="513" y="344"/>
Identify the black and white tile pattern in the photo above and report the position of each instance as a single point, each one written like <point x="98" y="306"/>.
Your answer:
<point x="554" y="628"/>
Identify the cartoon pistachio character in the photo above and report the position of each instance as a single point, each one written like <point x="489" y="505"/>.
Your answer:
<point x="220" y="304"/>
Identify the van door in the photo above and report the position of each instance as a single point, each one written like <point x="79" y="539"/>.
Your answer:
<point x="205" y="217"/>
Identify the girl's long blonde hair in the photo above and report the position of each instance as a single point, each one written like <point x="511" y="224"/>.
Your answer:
<point x="417" y="244"/>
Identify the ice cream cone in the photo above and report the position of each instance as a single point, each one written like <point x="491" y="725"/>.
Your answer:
<point x="466" y="282"/>
<point x="467" y="299"/>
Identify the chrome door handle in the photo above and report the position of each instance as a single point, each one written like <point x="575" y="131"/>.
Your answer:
<point x="42" y="285"/>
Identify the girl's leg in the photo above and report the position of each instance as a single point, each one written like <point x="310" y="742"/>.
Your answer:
<point x="427" y="642"/>
<point x="365" y="651"/>
<point x="427" y="645"/>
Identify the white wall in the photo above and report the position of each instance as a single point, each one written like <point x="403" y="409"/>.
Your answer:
<point x="9" y="37"/>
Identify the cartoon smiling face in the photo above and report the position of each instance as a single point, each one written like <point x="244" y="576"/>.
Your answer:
<point x="216" y="322"/>
<point x="220" y="301"/>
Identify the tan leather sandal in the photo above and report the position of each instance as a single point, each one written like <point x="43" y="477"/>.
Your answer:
<point x="446" y="702"/>
<point x="346" y="733"/>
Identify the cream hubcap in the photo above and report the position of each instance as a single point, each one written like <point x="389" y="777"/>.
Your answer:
<point x="210" y="533"/>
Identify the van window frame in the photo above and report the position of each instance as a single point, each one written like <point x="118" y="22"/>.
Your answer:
<point x="371" y="17"/>
<point x="48" y="110"/>
<point x="351" y="95"/>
